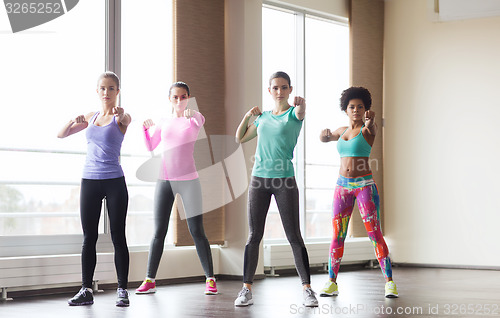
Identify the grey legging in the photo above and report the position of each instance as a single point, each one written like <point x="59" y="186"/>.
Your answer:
<point x="286" y="194"/>
<point x="190" y="192"/>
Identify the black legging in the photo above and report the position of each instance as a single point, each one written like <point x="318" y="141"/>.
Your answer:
<point x="190" y="191"/>
<point x="286" y="194"/>
<point x="92" y="193"/>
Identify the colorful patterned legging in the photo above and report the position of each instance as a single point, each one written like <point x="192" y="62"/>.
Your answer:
<point x="364" y="190"/>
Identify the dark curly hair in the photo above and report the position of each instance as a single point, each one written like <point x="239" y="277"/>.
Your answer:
<point x="355" y="92"/>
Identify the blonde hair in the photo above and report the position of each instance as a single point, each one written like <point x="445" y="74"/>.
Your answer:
<point x="109" y="74"/>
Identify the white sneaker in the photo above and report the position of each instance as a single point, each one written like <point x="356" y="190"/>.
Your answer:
<point x="244" y="298"/>
<point x="310" y="298"/>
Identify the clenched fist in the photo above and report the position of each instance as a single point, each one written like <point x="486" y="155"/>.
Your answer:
<point x="369" y="118"/>
<point x="299" y="101"/>
<point x="147" y="124"/>
<point x="78" y="120"/>
<point x="253" y="112"/>
<point x="118" y="111"/>
<point x="188" y="113"/>
<point x="325" y="135"/>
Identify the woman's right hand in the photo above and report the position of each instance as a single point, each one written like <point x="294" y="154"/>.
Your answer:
<point x="325" y="135"/>
<point x="78" y="120"/>
<point x="253" y="112"/>
<point x="74" y="125"/>
<point x="147" y="124"/>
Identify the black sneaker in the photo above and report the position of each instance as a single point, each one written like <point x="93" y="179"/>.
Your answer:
<point x="122" y="300"/>
<point x="83" y="297"/>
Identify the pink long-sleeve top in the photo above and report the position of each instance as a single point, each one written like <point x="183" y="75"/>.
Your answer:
<point x="179" y="135"/>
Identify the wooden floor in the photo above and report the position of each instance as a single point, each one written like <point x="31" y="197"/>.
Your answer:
<point x="424" y="292"/>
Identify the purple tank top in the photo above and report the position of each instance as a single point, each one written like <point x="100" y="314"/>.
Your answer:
<point x="103" y="150"/>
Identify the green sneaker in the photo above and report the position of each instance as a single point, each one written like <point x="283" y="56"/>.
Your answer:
<point x="390" y="290"/>
<point x="330" y="289"/>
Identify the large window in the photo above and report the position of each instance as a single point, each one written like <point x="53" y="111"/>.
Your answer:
<point x="49" y="75"/>
<point x="326" y="76"/>
<point x="314" y="51"/>
<point x="278" y="54"/>
<point x="146" y="64"/>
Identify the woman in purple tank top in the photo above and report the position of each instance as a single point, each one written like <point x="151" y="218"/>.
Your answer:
<point x="102" y="178"/>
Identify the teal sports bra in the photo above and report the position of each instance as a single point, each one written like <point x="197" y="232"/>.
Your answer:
<point x="354" y="147"/>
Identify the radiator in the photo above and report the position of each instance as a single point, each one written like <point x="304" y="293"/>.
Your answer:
<point x="17" y="273"/>
<point x="25" y="263"/>
<point x="356" y="250"/>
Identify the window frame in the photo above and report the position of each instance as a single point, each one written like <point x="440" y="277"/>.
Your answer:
<point x="300" y="90"/>
<point x="31" y="245"/>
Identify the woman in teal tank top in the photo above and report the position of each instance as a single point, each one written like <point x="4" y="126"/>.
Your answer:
<point x="273" y="174"/>
<point x="355" y="182"/>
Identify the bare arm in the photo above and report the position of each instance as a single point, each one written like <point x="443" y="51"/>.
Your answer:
<point x="300" y="107"/>
<point x="327" y="135"/>
<point x="244" y="132"/>
<point x="75" y="125"/>
<point x="370" y="124"/>
<point x="122" y="118"/>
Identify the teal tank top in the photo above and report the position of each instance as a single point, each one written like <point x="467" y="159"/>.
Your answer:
<point x="277" y="137"/>
<point x="354" y="147"/>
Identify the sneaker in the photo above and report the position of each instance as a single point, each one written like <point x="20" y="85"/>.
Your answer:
<point x="122" y="300"/>
<point x="310" y="298"/>
<point x="390" y="290"/>
<point x="244" y="298"/>
<point x="211" y="287"/>
<point x="330" y="289"/>
<point x="147" y="287"/>
<point x="83" y="297"/>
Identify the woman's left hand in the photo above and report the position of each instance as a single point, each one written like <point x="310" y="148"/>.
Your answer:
<point x="299" y="101"/>
<point x="300" y="107"/>
<point x="188" y="113"/>
<point x="369" y="118"/>
<point x="118" y="112"/>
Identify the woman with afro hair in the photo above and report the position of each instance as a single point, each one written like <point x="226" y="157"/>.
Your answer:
<point x="355" y="182"/>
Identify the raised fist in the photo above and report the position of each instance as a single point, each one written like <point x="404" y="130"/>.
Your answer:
<point x="148" y="123"/>
<point x="188" y="113"/>
<point x="255" y="111"/>
<point x="80" y="119"/>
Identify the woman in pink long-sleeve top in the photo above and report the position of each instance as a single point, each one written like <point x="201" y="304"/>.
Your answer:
<point x="178" y="174"/>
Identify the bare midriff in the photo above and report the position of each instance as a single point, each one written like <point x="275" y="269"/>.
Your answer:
<point x="353" y="167"/>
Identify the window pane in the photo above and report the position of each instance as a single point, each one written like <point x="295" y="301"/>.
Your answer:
<point x="49" y="75"/>
<point x="146" y="77"/>
<point x="321" y="176"/>
<point x="319" y="213"/>
<point x="278" y="54"/>
<point x="327" y="75"/>
<point x="278" y="49"/>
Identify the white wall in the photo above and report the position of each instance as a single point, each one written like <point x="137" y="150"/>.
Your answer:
<point x="243" y="91"/>
<point x="441" y="151"/>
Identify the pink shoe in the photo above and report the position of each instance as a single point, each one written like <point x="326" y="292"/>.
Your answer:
<point x="147" y="287"/>
<point x="211" y="288"/>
